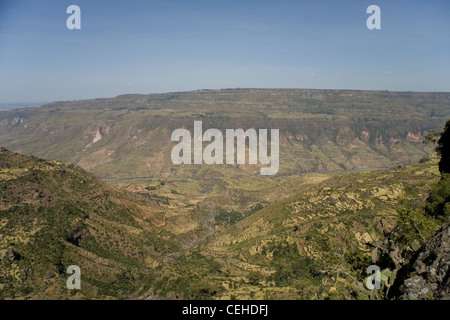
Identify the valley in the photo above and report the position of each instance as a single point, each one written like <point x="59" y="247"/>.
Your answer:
<point x="91" y="183"/>
<point x="320" y="130"/>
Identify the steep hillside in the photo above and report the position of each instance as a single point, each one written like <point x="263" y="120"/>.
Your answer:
<point x="430" y="276"/>
<point x="320" y="130"/>
<point x="54" y="214"/>
<point x="306" y="238"/>
<point x="310" y="245"/>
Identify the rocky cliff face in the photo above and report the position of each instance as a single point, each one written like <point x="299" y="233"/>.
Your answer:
<point x="320" y="130"/>
<point x="430" y="278"/>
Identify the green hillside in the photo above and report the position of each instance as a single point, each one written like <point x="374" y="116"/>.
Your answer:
<point x="311" y="245"/>
<point x="305" y="239"/>
<point x="140" y="227"/>
<point x="54" y="214"/>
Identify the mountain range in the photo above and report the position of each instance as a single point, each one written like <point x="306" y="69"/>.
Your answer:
<point x="111" y="201"/>
<point x="320" y="130"/>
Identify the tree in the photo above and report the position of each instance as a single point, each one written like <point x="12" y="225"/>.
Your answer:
<point x="443" y="148"/>
<point x="438" y="202"/>
<point x="254" y="278"/>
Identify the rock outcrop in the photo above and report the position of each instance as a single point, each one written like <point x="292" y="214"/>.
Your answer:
<point x="430" y="276"/>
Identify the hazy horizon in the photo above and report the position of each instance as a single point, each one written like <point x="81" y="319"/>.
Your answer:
<point x="41" y="103"/>
<point x="173" y="46"/>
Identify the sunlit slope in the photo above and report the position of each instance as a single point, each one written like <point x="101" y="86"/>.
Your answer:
<point x="54" y="214"/>
<point x="309" y="245"/>
<point x="281" y="238"/>
<point x="320" y="130"/>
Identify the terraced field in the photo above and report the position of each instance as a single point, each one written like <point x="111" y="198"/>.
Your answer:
<point x="303" y="246"/>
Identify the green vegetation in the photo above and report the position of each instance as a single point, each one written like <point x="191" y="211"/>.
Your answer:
<point x="443" y="148"/>
<point x="311" y="244"/>
<point x="158" y="231"/>
<point x="305" y="237"/>
<point x="53" y="215"/>
<point x="416" y="222"/>
<point x="229" y="217"/>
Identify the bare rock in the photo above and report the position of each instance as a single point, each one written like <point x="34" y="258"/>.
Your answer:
<point x="430" y="277"/>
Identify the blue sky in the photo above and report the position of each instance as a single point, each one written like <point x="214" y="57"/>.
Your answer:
<point x="163" y="46"/>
